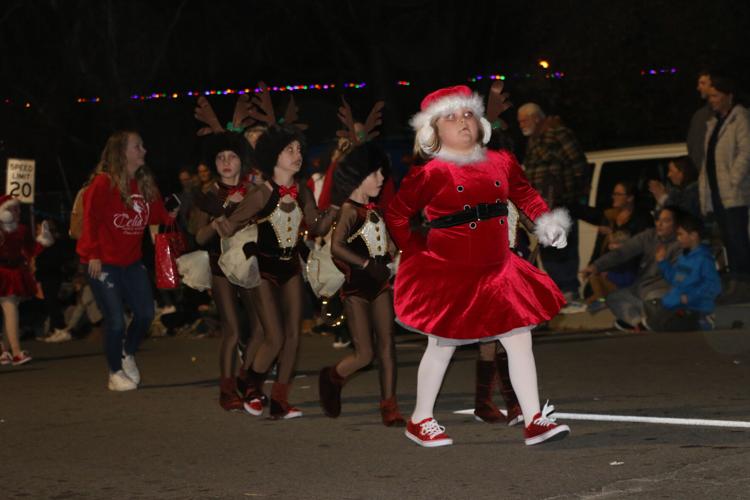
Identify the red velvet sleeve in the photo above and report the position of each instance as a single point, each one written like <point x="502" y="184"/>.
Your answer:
<point x="520" y="192"/>
<point x="325" y="193"/>
<point x="411" y="198"/>
<point x="386" y="195"/>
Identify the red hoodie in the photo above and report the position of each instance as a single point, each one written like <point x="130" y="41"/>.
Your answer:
<point x="113" y="232"/>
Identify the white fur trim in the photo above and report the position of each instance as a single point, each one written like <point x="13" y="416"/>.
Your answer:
<point x="5" y="216"/>
<point x="552" y="227"/>
<point x="478" y="154"/>
<point x="445" y="106"/>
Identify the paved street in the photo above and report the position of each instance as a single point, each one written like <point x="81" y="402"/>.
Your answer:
<point x="64" y="435"/>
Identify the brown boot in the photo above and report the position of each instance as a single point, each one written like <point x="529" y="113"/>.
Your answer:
<point x="515" y="415"/>
<point x="329" y="389"/>
<point x="390" y="413"/>
<point x="280" y="408"/>
<point x="484" y="408"/>
<point x="228" y="397"/>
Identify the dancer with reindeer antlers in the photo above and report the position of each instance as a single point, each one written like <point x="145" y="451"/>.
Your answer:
<point x="278" y="206"/>
<point x="362" y="250"/>
<point x="229" y="152"/>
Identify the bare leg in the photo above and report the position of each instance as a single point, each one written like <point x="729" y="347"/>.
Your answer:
<point x="10" y="321"/>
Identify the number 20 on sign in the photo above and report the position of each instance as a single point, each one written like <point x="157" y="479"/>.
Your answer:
<point x="19" y="181"/>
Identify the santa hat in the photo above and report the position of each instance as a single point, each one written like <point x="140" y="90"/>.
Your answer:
<point x="6" y="201"/>
<point x="440" y="103"/>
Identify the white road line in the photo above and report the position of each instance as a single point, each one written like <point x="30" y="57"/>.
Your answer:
<point x="638" y="419"/>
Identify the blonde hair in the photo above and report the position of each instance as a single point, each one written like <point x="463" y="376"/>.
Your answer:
<point x="427" y="151"/>
<point x="114" y="163"/>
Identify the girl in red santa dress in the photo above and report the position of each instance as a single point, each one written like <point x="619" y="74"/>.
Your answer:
<point x="17" y="248"/>
<point x="461" y="283"/>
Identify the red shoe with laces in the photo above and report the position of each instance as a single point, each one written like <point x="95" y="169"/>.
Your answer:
<point x="280" y="407"/>
<point x="427" y="433"/>
<point x="543" y="428"/>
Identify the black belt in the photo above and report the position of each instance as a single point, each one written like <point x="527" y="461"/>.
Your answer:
<point x="482" y="211"/>
<point x="285" y="253"/>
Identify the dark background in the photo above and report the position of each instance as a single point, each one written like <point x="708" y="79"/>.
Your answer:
<point x="54" y="52"/>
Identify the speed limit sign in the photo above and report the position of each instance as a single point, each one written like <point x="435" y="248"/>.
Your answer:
<point x="19" y="181"/>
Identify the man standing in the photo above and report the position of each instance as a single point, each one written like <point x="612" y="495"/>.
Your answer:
<point x="697" y="132"/>
<point x="557" y="168"/>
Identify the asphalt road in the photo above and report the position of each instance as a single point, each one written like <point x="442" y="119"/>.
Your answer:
<point x="63" y="435"/>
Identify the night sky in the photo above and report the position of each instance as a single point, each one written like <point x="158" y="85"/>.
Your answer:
<point x="55" y="52"/>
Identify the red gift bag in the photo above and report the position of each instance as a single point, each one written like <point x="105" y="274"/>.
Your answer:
<point x="167" y="247"/>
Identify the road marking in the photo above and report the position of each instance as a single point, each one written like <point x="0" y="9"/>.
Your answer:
<point x="638" y="419"/>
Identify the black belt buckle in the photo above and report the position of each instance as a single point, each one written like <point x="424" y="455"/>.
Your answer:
<point x="482" y="211"/>
<point x="286" y="253"/>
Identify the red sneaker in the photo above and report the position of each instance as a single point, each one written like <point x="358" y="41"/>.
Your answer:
<point x="21" y="359"/>
<point x="427" y="433"/>
<point x="254" y="406"/>
<point x="282" y="410"/>
<point x="543" y="428"/>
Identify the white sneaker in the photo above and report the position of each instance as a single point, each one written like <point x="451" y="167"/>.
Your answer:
<point x="119" y="382"/>
<point x="130" y="368"/>
<point x="59" y="336"/>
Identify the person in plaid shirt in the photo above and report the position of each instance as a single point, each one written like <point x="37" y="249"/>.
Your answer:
<point x="557" y="168"/>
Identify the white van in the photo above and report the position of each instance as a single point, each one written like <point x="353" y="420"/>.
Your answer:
<point x="608" y="167"/>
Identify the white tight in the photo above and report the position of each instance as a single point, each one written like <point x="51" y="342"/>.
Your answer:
<point x="521" y="365"/>
<point x="10" y="321"/>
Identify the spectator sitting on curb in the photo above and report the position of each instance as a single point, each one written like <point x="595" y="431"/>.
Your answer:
<point x="689" y="304"/>
<point x="627" y="304"/>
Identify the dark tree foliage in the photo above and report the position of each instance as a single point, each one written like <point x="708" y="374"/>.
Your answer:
<point x="57" y="50"/>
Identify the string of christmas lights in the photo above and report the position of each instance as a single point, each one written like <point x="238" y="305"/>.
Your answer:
<point x="545" y="65"/>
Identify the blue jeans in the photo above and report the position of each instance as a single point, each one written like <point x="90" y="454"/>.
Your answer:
<point x="117" y="287"/>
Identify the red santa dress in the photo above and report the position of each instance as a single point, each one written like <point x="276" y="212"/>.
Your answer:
<point x="462" y="284"/>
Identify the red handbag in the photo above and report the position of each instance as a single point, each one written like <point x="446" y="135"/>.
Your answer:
<point x="168" y="245"/>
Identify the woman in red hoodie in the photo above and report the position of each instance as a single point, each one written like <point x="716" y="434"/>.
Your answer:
<point x="121" y="201"/>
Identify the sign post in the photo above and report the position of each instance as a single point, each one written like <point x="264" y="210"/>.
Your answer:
<point x="19" y="182"/>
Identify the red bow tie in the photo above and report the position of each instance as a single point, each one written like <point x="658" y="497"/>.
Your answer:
<point x="237" y="189"/>
<point x="291" y="191"/>
<point x="370" y="206"/>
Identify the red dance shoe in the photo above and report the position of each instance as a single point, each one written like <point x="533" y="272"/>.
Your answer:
<point x="543" y="428"/>
<point x="228" y="397"/>
<point x="427" y="433"/>
<point x="514" y="416"/>
<point x="390" y="413"/>
<point x="280" y="407"/>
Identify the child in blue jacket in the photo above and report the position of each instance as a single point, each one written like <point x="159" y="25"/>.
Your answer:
<point x="689" y="304"/>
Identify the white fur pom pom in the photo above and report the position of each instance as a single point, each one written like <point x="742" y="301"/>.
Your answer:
<point x="552" y="228"/>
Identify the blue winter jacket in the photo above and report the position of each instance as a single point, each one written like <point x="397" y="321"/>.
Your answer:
<point x="694" y="275"/>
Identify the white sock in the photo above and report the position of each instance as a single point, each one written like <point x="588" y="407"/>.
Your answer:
<point x="522" y="370"/>
<point x="430" y="375"/>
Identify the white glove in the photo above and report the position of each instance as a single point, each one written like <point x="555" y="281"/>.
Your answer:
<point x="552" y="228"/>
<point x="45" y="237"/>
